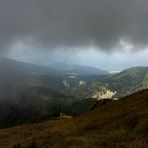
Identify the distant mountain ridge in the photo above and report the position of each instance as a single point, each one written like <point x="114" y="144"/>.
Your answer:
<point x="79" y="69"/>
<point x="24" y="73"/>
<point x="81" y="81"/>
<point x="123" y="83"/>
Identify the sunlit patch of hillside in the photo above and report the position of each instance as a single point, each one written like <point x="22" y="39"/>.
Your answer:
<point x="82" y="83"/>
<point x="66" y="83"/>
<point x="107" y="94"/>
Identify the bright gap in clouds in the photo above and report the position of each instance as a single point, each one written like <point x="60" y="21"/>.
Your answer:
<point x="116" y="60"/>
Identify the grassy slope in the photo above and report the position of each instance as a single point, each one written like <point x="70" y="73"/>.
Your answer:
<point x="120" y="124"/>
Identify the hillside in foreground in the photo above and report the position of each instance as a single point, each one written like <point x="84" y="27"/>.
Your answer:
<point x="123" y="123"/>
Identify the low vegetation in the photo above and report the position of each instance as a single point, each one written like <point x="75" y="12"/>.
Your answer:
<point x="122" y="123"/>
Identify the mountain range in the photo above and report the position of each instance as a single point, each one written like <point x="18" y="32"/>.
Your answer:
<point x="77" y="80"/>
<point x="30" y="93"/>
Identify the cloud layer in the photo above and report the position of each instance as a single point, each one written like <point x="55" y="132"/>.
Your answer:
<point x="47" y="24"/>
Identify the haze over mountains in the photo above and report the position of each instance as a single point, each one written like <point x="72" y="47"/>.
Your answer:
<point x="78" y="69"/>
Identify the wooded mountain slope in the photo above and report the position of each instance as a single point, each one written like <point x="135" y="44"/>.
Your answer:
<point x="123" y="123"/>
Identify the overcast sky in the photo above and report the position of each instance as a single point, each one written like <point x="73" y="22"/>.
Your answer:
<point x="110" y="34"/>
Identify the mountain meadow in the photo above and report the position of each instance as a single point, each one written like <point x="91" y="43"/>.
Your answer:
<point x="122" y="123"/>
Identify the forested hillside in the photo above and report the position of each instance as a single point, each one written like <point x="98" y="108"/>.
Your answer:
<point x="123" y="123"/>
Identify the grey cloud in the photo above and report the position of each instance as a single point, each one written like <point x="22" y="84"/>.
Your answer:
<point x="70" y="23"/>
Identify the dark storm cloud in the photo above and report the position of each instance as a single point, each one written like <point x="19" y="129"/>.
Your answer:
<point x="56" y="23"/>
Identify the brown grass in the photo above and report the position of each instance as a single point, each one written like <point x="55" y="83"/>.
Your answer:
<point x="116" y="124"/>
